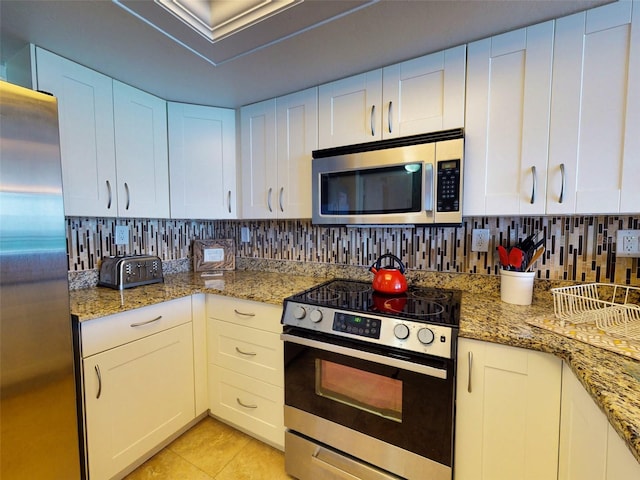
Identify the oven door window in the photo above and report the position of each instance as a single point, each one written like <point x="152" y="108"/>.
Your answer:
<point x="360" y="389"/>
<point x="396" y="189"/>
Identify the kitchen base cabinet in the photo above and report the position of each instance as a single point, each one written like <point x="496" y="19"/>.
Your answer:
<point x="138" y="384"/>
<point x="246" y="366"/>
<point x="590" y="449"/>
<point x="507" y="414"/>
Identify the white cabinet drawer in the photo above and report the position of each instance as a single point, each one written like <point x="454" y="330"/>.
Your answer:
<point x="248" y="403"/>
<point x="245" y="312"/>
<point x="111" y="331"/>
<point x="245" y="350"/>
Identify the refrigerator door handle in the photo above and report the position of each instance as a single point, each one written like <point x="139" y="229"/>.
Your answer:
<point x="97" y="368"/>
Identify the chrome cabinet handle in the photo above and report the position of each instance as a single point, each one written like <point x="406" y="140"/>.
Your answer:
<point x="561" y="199"/>
<point x="126" y="188"/>
<point x="97" y="369"/>
<point x="280" y="199"/>
<point x="146" y="322"/>
<point x="389" y="112"/>
<point x="244" y="314"/>
<point x="269" y="199"/>
<point x="244" y="404"/>
<point x="373" y="129"/>
<point x="229" y="201"/>
<point x="248" y="354"/>
<point x="109" y="191"/>
<point x="470" y="367"/>
<point x="533" y="188"/>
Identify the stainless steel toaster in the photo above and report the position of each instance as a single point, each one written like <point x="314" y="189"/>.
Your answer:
<point x="130" y="271"/>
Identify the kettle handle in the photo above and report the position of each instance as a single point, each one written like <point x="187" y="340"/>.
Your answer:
<point x="376" y="265"/>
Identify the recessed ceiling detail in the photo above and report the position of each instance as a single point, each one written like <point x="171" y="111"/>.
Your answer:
<point x="222" y="30"/>
<point x="217" y="19"/>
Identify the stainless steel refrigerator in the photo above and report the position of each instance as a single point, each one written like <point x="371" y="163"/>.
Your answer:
<point x="38" y="414"/>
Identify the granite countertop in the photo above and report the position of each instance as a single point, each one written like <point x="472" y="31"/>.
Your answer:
<point x="612" y="380"/>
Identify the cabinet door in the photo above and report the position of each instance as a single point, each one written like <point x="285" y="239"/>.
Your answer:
<point x="425" y="94"/>
<point x="142" y="158"/>
<point x="349" y="110"/>
<point x="583" y="433"/>
<point x="590" y="449"/>
<point x="621" y="464"/>
<point x="507" y="122"/>
<point x="202" y="161"/>
<point x="507" y="414"/>
<point x="136" y="396"/>
<point x="593" y="153"/>
<point x="297" y="137"/>
<point x="259" y="172"/>
<point x="85" y="112"/>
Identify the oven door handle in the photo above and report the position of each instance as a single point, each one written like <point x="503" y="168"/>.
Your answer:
<point x="372" y="357"/>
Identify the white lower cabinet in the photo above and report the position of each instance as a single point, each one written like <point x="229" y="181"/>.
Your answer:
<point x="138" y="374"/>
<point x="508" y="413"/>
<point x="246" y="366"/>
<point x="590" y="449"/>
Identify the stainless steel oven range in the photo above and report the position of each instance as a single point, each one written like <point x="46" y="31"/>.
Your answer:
<point x="369" y="382"/>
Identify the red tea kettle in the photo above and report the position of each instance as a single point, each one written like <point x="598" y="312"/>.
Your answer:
<point x="388" y="279"/>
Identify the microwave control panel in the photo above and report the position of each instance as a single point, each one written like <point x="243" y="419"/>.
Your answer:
<point x="448" y="199"/>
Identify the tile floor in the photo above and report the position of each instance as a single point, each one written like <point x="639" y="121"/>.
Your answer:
<point x="212" y="450"/>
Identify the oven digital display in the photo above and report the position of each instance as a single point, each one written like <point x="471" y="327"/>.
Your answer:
<point x="356" y="325"/>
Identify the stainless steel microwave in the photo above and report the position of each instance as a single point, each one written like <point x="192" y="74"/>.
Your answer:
<point x="410" y="180"/>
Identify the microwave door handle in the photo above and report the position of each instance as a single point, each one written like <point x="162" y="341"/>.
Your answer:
<point x="428" y="187"/>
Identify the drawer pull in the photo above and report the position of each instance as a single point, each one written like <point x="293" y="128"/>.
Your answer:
<point x="244" y="404"/>
<point x="244" y="314"/>
<point x="248" y="354"/>
<point x="146" y="322"/>
<point x="97" y="369"/>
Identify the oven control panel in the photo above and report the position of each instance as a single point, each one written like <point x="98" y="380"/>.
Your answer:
<point x="356" y="325"/>
<point x="420" y="337"/>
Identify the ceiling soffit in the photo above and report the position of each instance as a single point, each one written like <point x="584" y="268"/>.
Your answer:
<point x="223" y="30"/>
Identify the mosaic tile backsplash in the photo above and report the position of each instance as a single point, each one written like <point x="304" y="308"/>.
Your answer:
<point x="578" y="248"/>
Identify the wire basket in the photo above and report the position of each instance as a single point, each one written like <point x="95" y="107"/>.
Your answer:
<point x="611" y="307"/>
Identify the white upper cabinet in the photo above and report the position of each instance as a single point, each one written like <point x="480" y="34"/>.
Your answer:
<point x="507" y="122"/>
<point x="202" y="161"/>
<point x="87" y="147"/>
<point x="422" y="95"/>
<point x="349" y="110"/>
<point x="142" y="160"/>
<point x="297" y="137"/>
<point x="258" y="167"/>
<point x="594" y="164"/>
<point x="278" y="136"/>
<point x="113" y="142"/>
<point x="425" y="94"/>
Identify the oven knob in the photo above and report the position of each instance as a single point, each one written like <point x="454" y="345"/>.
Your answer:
<point x="315" y="316"/>
<point x="425" y="335"/>
<point x="299" y="313"/>
<point x="401" y="331"/>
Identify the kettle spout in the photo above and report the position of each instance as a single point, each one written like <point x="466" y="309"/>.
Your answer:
<point x="373" y="269"/>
